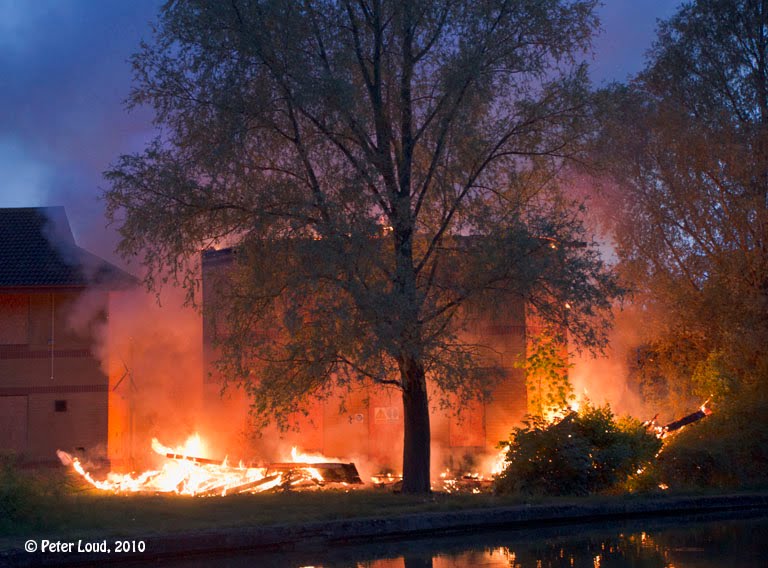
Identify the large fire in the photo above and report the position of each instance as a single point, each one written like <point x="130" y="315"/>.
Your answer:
<point x="185" y="472"/>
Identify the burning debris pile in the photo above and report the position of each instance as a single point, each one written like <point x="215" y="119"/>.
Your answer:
<point x="448" y="482"/>
<point x="465" y="483"/>
<point x="185" y="473"/>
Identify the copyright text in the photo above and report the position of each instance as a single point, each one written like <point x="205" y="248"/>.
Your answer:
<point x="105" y="546"/>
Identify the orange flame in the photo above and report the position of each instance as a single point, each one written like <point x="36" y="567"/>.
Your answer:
<point x="182" y="475"/>
<point x="297" y="456"/>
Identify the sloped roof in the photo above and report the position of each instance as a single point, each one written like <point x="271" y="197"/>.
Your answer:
<point x="37" y="249"/>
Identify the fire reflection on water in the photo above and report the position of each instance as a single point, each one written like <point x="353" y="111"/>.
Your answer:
<point x="722" y="541"/>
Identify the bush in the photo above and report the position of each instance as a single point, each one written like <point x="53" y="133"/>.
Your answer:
<point x="18" y="494"/>
<point x="729" y="449"/>
<point x="26" y="494"/>
<point x="583" y="453"/>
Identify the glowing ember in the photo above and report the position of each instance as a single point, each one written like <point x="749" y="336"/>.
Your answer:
<point x="386" y="479"/>
<point x="467" y="483"/>
<point x="447" y="482"/>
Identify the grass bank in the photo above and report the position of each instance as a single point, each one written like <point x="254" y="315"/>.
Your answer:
<point x="90" y="514"/>
<point x="62" y="507"/>
<point x="173" y="528"/>
<point x="86" y="513"/>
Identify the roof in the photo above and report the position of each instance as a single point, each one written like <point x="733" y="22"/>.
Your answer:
<point x="37" y="249"/>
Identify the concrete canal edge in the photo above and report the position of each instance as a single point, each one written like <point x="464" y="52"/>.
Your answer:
<point x="317" y="535"/>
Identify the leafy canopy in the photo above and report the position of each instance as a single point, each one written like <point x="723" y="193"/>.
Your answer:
<point x="691" y="210"/>
<point x="377" y="166"/>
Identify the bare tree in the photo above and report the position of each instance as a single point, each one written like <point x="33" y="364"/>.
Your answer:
<point x="376" y="164"/>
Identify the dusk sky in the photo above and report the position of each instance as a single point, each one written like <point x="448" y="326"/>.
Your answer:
<point x="64" y="76"/>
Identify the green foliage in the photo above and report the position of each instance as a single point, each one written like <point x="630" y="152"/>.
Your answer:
<point x="546" y="374"/>
<point x="661" y="373"/>
<point x="585" y="452"/>
<point x="28" y="496"/>
<point x="729" y="449"/>
<point x="19" y="495"/>
<point x="713" y="377"/>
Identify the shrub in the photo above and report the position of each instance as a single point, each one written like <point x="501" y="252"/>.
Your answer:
<point x="26" y="494"/>
<point x="582" y="453"/>
<point x="727" y="450"/>
<point x="17" y="494"/>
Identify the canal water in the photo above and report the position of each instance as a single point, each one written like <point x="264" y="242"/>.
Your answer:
<point x="709" y="541"/>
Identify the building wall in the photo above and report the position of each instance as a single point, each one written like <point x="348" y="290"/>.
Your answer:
<point x="501" y="326"/>
<point x="53" y="393"/>
<point x="368" y="420"/>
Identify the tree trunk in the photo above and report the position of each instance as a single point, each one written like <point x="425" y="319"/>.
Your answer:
<point x="418" y="561"/>
<point x="416" y="451"/>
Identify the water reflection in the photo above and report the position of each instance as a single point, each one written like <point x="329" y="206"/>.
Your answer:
<point x="636" y="550"/>
<point x="675" y="542"/>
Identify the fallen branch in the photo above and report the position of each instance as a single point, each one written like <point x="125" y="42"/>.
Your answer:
<point x="663" y="431"/>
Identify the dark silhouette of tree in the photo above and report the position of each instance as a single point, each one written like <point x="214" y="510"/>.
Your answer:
<point x="376" y="165"/>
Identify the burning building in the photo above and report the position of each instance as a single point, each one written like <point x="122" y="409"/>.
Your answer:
<point x="368" y="426"/>
<point x="54" y="301"/>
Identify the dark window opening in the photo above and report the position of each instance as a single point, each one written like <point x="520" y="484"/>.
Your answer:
<point x="60" y="405"/>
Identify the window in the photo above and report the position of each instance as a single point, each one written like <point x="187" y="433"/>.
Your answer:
<point x="60" y="405"/>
